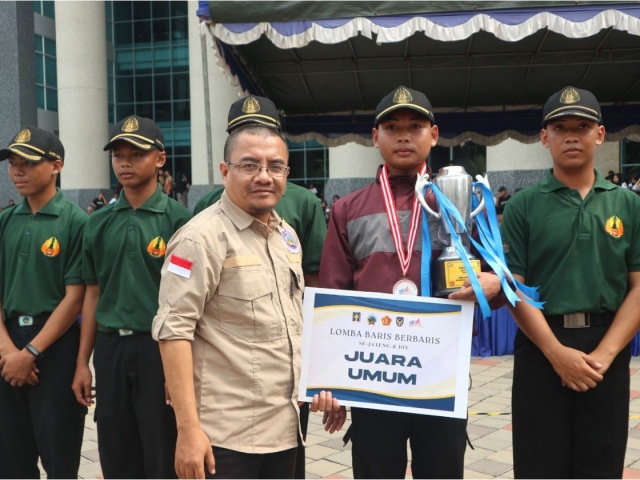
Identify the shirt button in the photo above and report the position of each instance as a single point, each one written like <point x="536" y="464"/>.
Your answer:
<point x="28" y="234"/>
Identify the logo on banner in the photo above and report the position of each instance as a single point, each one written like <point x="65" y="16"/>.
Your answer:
<point x="399" y="321"/>
<point x="415" y="323"/>
<point x="355" y="317"/>
<point x="371" y="319"/>
<point x="386" y="320"/>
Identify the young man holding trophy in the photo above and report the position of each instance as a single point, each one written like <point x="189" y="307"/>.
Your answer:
<point x="371" y="245"/>
<point x="578" y="237"/>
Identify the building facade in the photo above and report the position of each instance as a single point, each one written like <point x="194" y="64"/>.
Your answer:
<point x="76" y="68"/>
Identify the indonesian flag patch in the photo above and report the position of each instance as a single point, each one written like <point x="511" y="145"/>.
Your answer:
<point x="180" y="266"/>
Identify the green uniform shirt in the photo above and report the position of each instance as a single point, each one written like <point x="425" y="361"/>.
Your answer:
<point x="39" y="256"/>
<point x="299" y="208"/>
<point x="123" y="252"/>
<point x="578" y="251"/>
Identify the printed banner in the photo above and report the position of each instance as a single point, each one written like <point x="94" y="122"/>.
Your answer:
<point x="387" y="352"/>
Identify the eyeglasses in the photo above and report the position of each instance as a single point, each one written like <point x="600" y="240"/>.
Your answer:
<point x="254" y="169"/>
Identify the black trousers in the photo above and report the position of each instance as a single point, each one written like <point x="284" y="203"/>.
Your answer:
<point x="379" y="444"/>
<point x="42" y="420"/>
<point x="136" y="428"/>
<point x="559" y="433"/>
<point x="233" y="464"/>
<point x="301" y="454"/>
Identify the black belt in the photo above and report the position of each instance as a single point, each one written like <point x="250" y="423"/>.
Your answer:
<point x="581" y="320"/>
<point x="121" y="332"/>
<point x="27" y="320"/>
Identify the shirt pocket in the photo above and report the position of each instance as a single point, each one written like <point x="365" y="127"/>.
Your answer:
<point x="247" y="307"/>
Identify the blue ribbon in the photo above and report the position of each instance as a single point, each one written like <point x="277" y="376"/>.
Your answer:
<point x="490" y="249"/>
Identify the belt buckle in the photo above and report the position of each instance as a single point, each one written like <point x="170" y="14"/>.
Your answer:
<point x="124" y="332"/>
<point x="577" y="320"/>
<point x="25" y="320"/>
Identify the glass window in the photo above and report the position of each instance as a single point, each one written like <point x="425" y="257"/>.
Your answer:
<point x="309" y="162"/>
<point x="108" y="11"/>
<point x="50" y="47"/>
<point x="163" y="112"/>
<point x="142" y="31"/>
<point x="143" y="60"/>
<point x="121" y="11"/>
<point x="50" y="71"/>
<point x="162" y="89"/>
<point x="161" y="30"/>
<point x="37" y="7"/>
<point x="630" y="159"/>
<point x="39" y="69"/>
<point x="123" y="110"/>
<point x="40" y="97"/>
<point x="141" y="10"/>
<point x="178" y="29"/>
<point x="37" y="40"/>
<point x="52" y="99"/>
<point x="124" y="89"/>
<point x="49" y="9"/>
<point x="123" y="33"/>
<point x="180" y="55"/>
<point x="180" y="86"/>
<point x="181" y="111"/>
<point x="160" y="9"/>
<point x="144" y="88"/>
<point x="179" y="9"/>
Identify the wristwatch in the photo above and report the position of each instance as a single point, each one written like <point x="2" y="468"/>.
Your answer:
<point x="33" y="351"/>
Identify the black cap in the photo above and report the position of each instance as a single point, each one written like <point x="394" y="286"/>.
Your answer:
<point x="253" y="110"/>
<point x="572" y="101"/>
<point x="502" y="188"/>
<point x="34" y="145"/>
<point x="403" y="97"/>
<point x="140" y="132"/>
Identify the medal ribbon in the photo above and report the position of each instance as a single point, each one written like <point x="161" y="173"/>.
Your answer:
<point x="394" y="222"/>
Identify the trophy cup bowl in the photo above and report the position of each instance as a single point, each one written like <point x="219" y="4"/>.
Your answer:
<point x="457" y="185"/>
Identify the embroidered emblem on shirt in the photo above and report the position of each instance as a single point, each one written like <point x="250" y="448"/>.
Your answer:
<point x="505" y="247"/>
<point x="290" y="241"/>
<point x="399" y="321"/>
<point x="157" y="247"/>
<point x="371" y="319"/>
<point x="180" y="266"/>
<point x="386" y="320"/>
<point x="51" y="247"/>
<point x="614" y="226"/>
<point x="355" y="317"/>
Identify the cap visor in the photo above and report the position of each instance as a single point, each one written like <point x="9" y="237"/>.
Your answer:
<point x="24" y="153"/>
<point x="133" y="141"/>
<point x="572" y="113"/>
<point x="384" y="114"/>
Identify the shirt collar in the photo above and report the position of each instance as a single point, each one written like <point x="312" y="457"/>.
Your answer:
<point x="551" y="183"/>
<point x="242" y="219"/>
<point x="53" y="207"/>
<point x="156" y="203"/>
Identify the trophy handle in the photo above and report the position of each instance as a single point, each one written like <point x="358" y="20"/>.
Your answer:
<point x="480" y="207"/>
<point x="421" y="183"/>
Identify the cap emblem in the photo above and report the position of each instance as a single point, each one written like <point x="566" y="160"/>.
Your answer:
<point x="402" y="95"/>
<point x="24" y="136"/>
<point x="130" y="125"/>
<point x="569" y="95"/>
<point x="251" y="105"/>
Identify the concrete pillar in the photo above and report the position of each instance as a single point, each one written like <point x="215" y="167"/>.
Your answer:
<point x="351" y="167"/>
<point x="82" y="97"/>
<point x="17" y="81"/>
<point x="221" y="95"/>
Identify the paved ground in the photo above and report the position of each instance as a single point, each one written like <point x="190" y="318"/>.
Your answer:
<point x="489" y="430"/>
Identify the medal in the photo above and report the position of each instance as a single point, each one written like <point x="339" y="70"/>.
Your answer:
<point x="396" y="234"/>
<point x="404" y="286"/>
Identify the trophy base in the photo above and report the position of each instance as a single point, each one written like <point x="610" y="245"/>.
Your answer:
<point x="451" y="275"/>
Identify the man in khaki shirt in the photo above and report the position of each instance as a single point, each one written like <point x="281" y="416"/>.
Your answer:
<point x="230" y="321"/>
